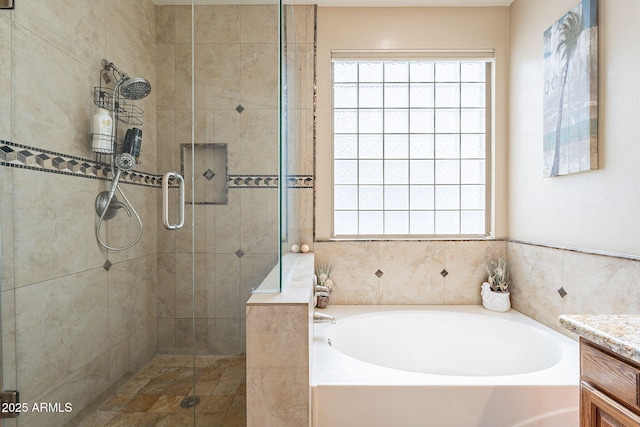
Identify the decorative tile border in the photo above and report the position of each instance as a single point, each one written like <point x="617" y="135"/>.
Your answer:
<point x="253" y="181"/>
<point x="269" y="181"/>
<point x="300" y="181"/>
<point x="577" y="250"/>
<point x="25" y="157"/>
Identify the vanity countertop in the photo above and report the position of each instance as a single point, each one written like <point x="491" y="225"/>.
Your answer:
<point x="619" y="333"/>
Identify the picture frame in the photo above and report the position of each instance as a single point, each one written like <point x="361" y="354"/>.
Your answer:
<point x="571" y="92"/>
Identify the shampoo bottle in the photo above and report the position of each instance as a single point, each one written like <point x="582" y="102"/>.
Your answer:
<point x="101" y="138"/>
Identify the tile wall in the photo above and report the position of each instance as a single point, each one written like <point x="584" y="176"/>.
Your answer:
<point x="594" y="283"/>
<point x="72" y="328"/>
<point x="100" y="315"/>
<point x="278" y="358"/>
<point x="408" y="272"/>
<point x="451" y="272"/>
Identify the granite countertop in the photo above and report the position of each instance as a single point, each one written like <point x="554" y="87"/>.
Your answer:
<point x="619" y="333"/>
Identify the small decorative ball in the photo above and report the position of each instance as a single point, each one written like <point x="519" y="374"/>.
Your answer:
<point x="295" y="249"/>
<point x="304" y="249"/>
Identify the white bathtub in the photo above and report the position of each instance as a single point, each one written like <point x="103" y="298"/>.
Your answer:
<point x="441" y="366"/>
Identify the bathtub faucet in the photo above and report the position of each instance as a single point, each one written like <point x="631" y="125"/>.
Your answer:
<point x="322" y="317"/>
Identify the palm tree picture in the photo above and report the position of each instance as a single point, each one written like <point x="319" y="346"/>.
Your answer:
<point x="571" y="92"/>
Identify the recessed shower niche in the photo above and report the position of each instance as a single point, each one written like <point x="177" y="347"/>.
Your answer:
<point x="210" y="173"/>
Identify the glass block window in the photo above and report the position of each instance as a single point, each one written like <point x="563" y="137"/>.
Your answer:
<point x="410" y="143"/>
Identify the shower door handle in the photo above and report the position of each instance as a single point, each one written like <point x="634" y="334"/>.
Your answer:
<point x="165" y="200"/>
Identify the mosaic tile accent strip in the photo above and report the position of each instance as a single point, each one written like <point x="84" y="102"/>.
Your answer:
<point x="25" y="157"/>
<point x="253" y="181"/>
<point x="300" y="181"/>
<point x="269" y="181"/>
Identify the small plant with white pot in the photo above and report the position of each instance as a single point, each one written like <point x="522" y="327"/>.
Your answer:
<point x="324" y="284"/>
<point x="498" y="275"/>
<point x="495" y="291"/>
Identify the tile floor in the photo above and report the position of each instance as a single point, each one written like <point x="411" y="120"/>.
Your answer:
<point x="152" y="396"/>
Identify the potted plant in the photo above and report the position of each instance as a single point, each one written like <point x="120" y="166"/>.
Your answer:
<point x="324" y="284"/>
<point x="495" y="292"/>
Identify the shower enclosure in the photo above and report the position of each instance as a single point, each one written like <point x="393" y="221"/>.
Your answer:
<point x="80" y="321"/>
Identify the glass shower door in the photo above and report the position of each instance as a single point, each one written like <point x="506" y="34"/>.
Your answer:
<point x="218" y="126"/>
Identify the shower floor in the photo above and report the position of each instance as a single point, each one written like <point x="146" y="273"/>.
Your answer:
<point x="152" y="397"/>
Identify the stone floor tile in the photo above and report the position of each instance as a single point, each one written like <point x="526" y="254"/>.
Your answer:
<point x="140" y="403"/>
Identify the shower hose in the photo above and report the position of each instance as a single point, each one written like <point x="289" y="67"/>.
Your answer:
<point x="104" y="211"/>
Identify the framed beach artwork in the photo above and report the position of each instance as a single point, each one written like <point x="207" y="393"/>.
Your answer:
<point x="571" y="92"/>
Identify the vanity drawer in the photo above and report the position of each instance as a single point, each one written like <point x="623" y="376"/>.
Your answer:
<point x="612" y="375"/>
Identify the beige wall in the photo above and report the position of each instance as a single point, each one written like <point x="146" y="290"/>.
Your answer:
<point x="71" y="329"/>
<point x="409" y="28"/>
<point x="407" y="278"/>
<point x="594" y="212"/>
<point x="597" y="210"/>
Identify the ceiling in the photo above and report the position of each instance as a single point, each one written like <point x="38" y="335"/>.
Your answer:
<point x="354" y="3"/>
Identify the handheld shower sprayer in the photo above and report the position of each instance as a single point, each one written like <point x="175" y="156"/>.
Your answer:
<point x="123" y="162"/>
<point x="107" y="204"/>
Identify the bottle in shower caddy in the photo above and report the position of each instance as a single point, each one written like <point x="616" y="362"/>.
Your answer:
<point x="132" y="142"/>
<point x="101" y="138"/>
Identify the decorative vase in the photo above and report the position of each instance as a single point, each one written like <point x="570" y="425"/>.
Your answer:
<point x="322" y="301"/>
<point x="494" y="301"/>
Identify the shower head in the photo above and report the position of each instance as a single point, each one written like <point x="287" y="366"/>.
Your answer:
<point x="130" y="88"/>
<point x="134" y="88"/>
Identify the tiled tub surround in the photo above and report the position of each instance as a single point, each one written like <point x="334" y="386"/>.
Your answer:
<point x="451" y="272"/>
<point x="408" y="272"/>
<point x="594" y="283"/>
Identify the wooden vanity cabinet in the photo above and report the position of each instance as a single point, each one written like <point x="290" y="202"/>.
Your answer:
<point x="609" y="388"/>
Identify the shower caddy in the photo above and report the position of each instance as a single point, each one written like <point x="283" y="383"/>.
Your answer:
<point x="121" y="110"/>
